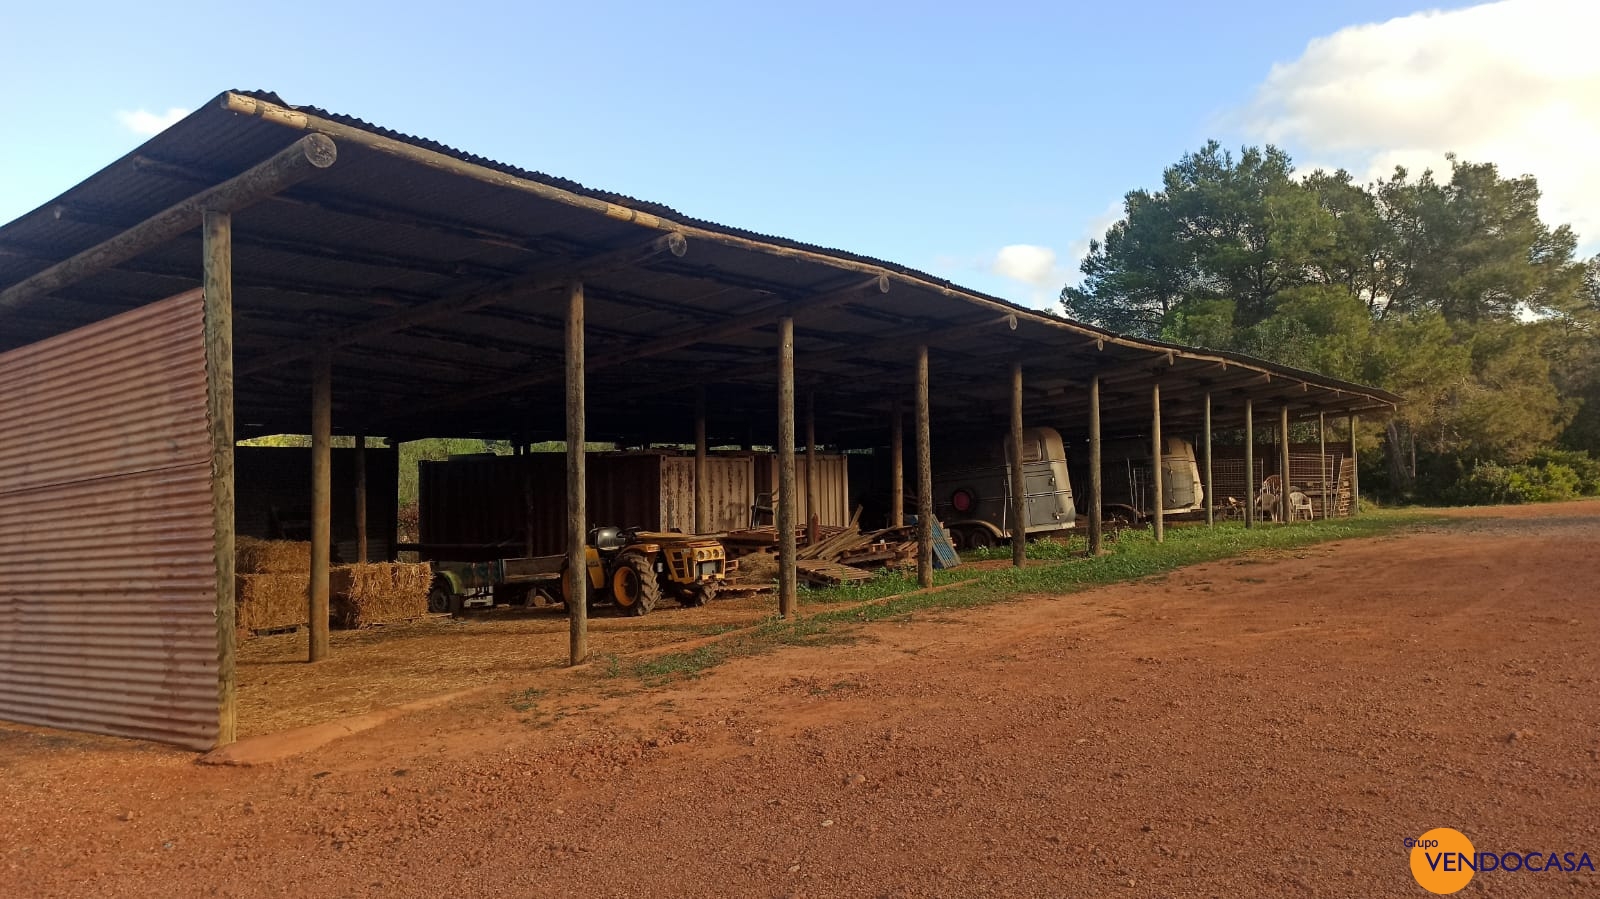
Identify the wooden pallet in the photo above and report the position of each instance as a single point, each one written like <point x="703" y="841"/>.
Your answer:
<point x="818" y="573"/>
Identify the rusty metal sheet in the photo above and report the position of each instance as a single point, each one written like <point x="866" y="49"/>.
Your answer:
<point x="832" y="487"/>
<point x="731" y="486"/>
<point x="491" y="506"/>
<point x="107" y="567"/>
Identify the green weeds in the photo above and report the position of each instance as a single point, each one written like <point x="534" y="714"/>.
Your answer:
<point x="1132" y="556"/>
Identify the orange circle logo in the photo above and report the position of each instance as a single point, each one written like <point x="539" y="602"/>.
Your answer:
<point x="1443" y="860"/>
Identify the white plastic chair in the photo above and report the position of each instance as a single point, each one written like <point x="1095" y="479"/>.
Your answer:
<point x="1298" y="503"/>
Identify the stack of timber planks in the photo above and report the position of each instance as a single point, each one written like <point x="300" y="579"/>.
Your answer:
<point x="839" y="555"/>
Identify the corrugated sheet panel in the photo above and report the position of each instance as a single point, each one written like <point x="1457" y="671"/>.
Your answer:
<point x="107" y="573"/>
<point x="273" y="496"/>
<point x="832" y="486"/>
<point x="502" y="506"/>
<point x="732" y="491"/>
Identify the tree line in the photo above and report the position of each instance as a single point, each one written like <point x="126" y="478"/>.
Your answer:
<point x="1449" y="291"/>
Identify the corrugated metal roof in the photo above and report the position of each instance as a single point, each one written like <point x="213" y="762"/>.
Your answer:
<point x="376" y="234"/>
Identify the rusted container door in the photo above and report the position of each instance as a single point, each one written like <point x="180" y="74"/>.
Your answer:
<point x="730" y="486"/>
<point x="832" y="486"/>
<point x="107" y="572"/>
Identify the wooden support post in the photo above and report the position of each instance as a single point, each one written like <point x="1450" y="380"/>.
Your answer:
<point x="702" y="486"/>
<point x="812" y="518"/>
<point x="924" y="475"/>
<point x="528" y="510"/>
<point x="1250" y="485"/>
<point x="1158" y="502"/>
<point x="1210" y="495"/>
<point x="1096" y="496"/>
<point x="1355" y="472"/>
<point x="897" y="466"/>
<point x="217" y="261"/>
<point x="321" y="503"/>
<point x="1019" y="476"/>
<point x="577" y="484"/>
<point x="361" y="499"/>
<point x="1323" y="474"/>
<point x="393" y="536"/>
<point x="288" y="166"/>
<point x="788" y="574"/>
<point x="1285" y="507"/>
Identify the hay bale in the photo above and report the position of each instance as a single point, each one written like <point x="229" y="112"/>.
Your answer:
<point x="383" y="591"/>
<point x="267" y="601"/>
<point x="255" y="556"/>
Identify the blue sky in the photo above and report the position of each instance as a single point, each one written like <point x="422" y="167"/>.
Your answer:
<point x="931" y="135"/>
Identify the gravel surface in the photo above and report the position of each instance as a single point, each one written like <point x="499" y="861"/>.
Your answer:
<point x="1253" y="727"/>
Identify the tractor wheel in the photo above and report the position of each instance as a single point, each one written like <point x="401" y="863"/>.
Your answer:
<point x="633" y="584"/>
<point x="697" y="595"/>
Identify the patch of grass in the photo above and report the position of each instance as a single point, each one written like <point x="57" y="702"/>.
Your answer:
<point x="527" y="700"/>
<point x="679" y="664"/>
<point x="884" y="582"/>
<point x="1133" y="556"/>
<point x="1051" y="549"/>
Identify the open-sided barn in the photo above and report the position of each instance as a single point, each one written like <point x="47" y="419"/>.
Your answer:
<point x="260" y="268"/>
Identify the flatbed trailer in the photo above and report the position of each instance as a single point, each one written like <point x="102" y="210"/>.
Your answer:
<point x="514" y="581"/>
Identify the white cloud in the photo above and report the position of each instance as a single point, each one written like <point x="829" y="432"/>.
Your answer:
<point x="143" y="122"/>
<point x="1516" y="83"/>
<point x="1027" y="263"/>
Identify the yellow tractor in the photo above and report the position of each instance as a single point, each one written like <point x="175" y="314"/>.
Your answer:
<point x="633" y="568"/>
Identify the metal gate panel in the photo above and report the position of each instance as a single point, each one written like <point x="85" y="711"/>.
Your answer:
<point x="107" y="559"/>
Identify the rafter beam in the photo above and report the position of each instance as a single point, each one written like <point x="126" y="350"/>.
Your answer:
<point x="296" y="162"/>
<point x="676" y="341"/>
<point x="544" y="278"/>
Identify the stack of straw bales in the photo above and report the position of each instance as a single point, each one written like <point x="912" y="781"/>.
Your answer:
<point x="379" y="592"/>
<point x="272" y="578"/>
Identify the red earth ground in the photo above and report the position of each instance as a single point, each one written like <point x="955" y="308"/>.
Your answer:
<point x="1253" y="727"/>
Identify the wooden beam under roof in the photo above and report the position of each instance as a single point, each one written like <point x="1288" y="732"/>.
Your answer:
<point x="543" y="278"/>
<point x="294" y="163"/>
<point x="678" y="340"/>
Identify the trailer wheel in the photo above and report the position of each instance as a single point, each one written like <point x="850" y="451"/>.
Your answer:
<point x="979" y="538"/>
<point x="633" y="584"/>
<point x="697" y="595"/>
<point x="439" y="597"/>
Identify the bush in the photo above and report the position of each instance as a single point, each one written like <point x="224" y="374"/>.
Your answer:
<point x="1489" y="483"/>
<point x="1584" y="466"/>
<point x="1549" y="484"/>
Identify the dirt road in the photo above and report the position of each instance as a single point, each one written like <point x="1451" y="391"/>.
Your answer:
<point x="1257" y="727"/>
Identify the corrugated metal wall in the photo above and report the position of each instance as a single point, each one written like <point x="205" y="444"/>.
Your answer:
<point x="274" y="485"/>
<point x="107" y="571"/>
<point x="732" y="490"/>
<point x="466" y="506"/>
<point x="833" y="485"/>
